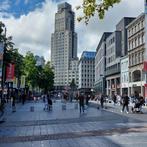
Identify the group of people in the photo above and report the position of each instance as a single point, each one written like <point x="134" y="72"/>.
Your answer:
<point x="48" y="102"/>
<point x="124" y="101"/>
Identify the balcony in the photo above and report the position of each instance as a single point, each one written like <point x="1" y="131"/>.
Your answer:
<point x="112" y="70"/>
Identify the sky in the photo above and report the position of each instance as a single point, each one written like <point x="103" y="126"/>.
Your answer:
<point x="31" y="22"/>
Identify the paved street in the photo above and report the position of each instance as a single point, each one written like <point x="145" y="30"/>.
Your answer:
<point x="69" y="128"/>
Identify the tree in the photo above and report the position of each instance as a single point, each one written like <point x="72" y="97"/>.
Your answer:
<point x="30" y="69"/>
<point x="73" y="87"/>
<point x="48" y="78"/>
<point x="91" y="7"/>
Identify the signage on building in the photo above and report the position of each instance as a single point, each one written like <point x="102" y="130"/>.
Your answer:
<point x="22" y="83"/>
<point x="145" y="66"/>
<point x="10" y="72"/>
<point x="15" y="82"/>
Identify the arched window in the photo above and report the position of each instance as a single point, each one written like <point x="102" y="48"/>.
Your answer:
<point x="136" y="76"/>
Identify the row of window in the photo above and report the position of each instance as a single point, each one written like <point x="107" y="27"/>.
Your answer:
<point x="111" y="41"/>
<point x="136" y="58"/>
<point x="124" y="77"/>
<point x="136" y="28"/>
<point x="110" y="59"/>
<point x="136" y="41"/>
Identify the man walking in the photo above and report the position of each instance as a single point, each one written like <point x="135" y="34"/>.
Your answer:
<point x="102" y="100"/>
<point x="125" y="99"/>
<point x="81" y="102"/>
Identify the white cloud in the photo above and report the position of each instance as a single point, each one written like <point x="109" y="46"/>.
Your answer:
<point x="4" y="5"/>
<point x="26" y="1"/>
<point x="33" y="31"/>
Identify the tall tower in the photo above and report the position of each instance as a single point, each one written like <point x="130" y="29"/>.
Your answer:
<point x="63" y="44"/>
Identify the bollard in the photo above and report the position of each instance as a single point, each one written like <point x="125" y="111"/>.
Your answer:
<point x="32" y="108"/>
<point x="63" y="106"/>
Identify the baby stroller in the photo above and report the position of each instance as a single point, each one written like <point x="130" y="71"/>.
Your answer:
<point x="138" y="105"/>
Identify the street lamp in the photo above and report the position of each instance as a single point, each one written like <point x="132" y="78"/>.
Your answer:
<point x="3" y="63"/>
<point x="102" y="87"/>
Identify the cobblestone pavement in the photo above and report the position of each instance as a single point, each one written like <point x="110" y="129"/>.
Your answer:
<point x="69" y="128"/>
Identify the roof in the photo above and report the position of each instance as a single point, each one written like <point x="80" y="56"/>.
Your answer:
<point x="88" y="54"/>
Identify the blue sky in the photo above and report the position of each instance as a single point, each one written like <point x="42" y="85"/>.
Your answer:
<point x="31" y="23"/>
<point x="20" y="7"/>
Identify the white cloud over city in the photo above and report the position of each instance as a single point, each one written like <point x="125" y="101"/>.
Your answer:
<point x="33" y="31"/>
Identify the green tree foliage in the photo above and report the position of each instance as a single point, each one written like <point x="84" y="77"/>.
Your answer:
<point x="72" y="84"/>
<point x="92" y="7"/>
<point x="47" y="78"/>
<point x="30" y="69"/>
<point x="38" y="76"/>
<point x="17" y="59"/>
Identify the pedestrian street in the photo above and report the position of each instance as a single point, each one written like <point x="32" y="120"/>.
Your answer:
<point x="69" y="128"/>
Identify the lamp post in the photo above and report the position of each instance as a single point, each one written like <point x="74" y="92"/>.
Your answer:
<point x="3" y="64"/>
<point x="102" y="87"/>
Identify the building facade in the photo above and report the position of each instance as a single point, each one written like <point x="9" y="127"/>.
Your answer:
<point x="100" y="64"/>
<point x="124" y="75"/>
<point x="113" y="54"/>
<point x="87" y="71"/>
<point x="40" y="61"/>
<point x="121" y="26"/>
<point x="63" y="45"/>
<point x="136" y="49"/>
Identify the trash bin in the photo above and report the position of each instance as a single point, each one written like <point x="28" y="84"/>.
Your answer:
<point x="63" y="106"/>
<point x="76" y="105"/>
<point x="32" y="108"/>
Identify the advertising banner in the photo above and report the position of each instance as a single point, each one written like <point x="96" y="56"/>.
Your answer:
<point x="22" y="84"/>
<point x="15" y="82"/>
<point x="10" y="72"/>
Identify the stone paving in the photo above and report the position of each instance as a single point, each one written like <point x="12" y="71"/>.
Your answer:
<point x="69" y="128"/>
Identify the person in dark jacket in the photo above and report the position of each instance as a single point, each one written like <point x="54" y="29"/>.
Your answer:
<point x="49" y="102"/>
<point x="13" y="101"/>
<point x="81" y="102"/>
<point x="125" y="99"/>
<point x="102" y="101"/>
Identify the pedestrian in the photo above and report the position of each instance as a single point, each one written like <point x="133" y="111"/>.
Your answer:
<point x="87" y="99"/>
<point x="49" y="101"/>
<point x="23" y="98"/>
<point x="125" y="99"/>
<point x="102" y="99"/>
<point x="44" y="98"/>
<point x="114" y="98"/>
<point x="81" y="101"/>
<point x="13" y="102"/>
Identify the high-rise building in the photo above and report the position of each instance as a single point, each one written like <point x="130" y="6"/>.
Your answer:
<point x="100" y="64"/>
<point x="40" y="61"/>
<point x="87" y="71"/>
<point x="63" y="45"/>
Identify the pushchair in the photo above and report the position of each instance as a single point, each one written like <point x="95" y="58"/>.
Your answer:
<point x="138" y="106"/>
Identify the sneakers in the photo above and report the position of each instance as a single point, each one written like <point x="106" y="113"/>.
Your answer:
<point x="127" y="112"/>
<point x="121" y="111"/>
